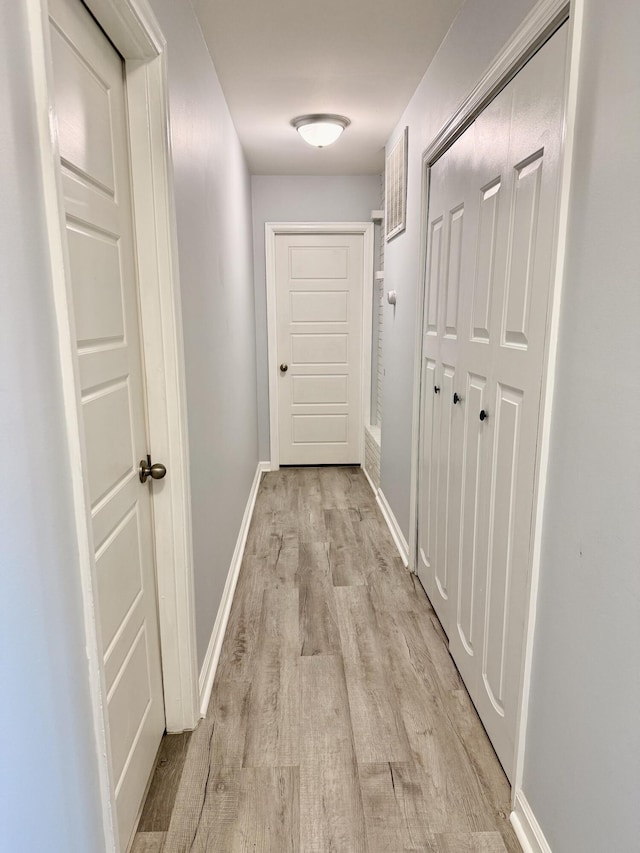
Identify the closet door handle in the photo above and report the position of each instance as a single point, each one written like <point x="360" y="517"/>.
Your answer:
<point x="483" y="415"/>
<point x="436" y="389"/>
<point x="456" y="398"/>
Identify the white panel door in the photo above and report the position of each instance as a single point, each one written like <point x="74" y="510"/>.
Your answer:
<point x="492" y="215"/>
<point x="442" y="416"/>
<point x="519" y="312"/>
<point x="92" y="132"/>
<point x="319" y="293"/>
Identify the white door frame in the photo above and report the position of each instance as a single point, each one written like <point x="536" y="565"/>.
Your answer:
<point x="271" y="231"/>
<point x="542" y="21"/>
<point x="131" y="26"/>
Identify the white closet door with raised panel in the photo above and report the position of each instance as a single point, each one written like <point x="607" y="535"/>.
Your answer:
<point x="518" y="324"/>
<point x="431" y="410"/>
<point x="442" y="417"/>
<point x="92" y="132"/>
<point x="319" y="293"/>
<point x="492" y="224"/>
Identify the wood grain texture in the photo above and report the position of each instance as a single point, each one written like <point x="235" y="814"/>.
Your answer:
<point x="326" y="737"/>
<point x="338" y="722"/>
<point x="273" y="711"/>
<point x="158" y="805"/>
<point x="318" y="621"/>
<point x="239" y="646"/>
<point x="378" y="729"/>
<point x="447" y="778"/>
<point x="331" y="815"/>
<point x="477" y="842"/>
<point x="348" y="555"/>
<point x="148" y="842"/>
<point x="229" y="711"/>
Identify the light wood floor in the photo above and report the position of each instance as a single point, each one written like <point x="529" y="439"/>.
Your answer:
<point x="338" y="722"/>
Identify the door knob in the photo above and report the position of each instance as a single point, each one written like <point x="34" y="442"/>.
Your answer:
<point x="483" y="415"/>
<point x="284" y="368"/>
<point x="436" y="389"/>
<point x="156" y="471"/>
<point x="456" y="398"/>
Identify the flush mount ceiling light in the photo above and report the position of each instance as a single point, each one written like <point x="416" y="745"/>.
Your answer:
<point x="321" y="129"/>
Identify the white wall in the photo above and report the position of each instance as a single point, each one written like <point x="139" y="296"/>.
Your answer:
<point x="476" y="36"/>
<point x="298" y="199"/>
<point x="582" y="771"/>
<point x="49" y="794"/>
<point x="213" y="201"/>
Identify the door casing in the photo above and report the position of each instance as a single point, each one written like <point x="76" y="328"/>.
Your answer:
<point x="546" y="17"/>
<point x="134" y="31"/>
<point x="272" y="229"/>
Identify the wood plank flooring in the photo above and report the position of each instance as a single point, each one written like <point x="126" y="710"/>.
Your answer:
<point x="338" y="722"/>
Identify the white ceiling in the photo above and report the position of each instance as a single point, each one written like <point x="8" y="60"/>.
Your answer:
<point x="277" y="59"/>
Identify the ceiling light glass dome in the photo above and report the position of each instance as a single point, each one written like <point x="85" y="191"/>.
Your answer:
<point x="321" y="129"/>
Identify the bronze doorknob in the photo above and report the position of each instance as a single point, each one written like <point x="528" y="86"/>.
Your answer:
<point x="156" y="471"/>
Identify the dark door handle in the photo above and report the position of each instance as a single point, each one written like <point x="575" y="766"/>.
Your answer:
<point x="456" y="398"/>
<point x="156" y="471"/>
<point x="436" y="389"/>
<point x="483" y="415"/>
<point x="284" y="368"/>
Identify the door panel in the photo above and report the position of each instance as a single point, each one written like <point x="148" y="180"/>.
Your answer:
<point x="492" y="213"/>
<point x="92" y="131"/>
<point x="525" y="208"/>
<point x="428" y="482"/>
<point x="485" y="259"/>
<point x="434" y="281"/>
<point x="472" y="521"/>
<point x="319" y="291"/>
<point x="501" y="534"/>
<point x="444" y="501"/>
<point x="454" y="264"/>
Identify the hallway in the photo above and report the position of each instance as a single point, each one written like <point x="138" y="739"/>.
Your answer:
<point x="338" y="721"/>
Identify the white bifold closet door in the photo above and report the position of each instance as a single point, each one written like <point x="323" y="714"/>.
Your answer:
<point x="491" y="242"/>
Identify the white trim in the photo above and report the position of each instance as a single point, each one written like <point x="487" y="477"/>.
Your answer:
<point x="417" y="375"/>
<point x="571" y="95"/>
<point x="210" y="664"/>
<point x="131" y="26"/>
<point x="157" y="253"/>
<point x="271" y="230"/>
<point x="394" y="527"/>
<point x="370" y="481"/>
<point x="527" y="828"/>
<point x="544" y="18"/>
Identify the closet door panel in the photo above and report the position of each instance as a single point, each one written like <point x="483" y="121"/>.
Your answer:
<point x="471" y="559"/>
<point x="446" y="481"/>
<point x="505" y="540"/>
<point x="428" y="474"/>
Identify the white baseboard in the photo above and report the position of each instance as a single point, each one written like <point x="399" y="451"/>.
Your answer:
<point x="527" y="828"/>
<point x="394" y="527"/>
<point x="212" y="656"/>
<point x="373" y="488"/>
